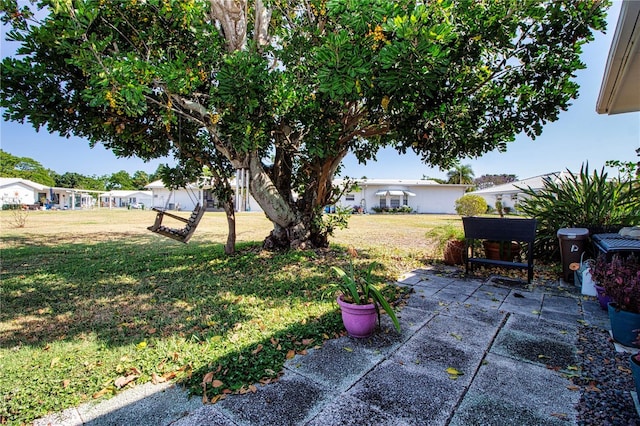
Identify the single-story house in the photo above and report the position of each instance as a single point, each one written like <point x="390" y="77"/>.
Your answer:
<point x="620" y="89"/>
<point x="510" y="193"/>
<point x="187" y="198"/>
<point x="420" y="196"/>
<point x="33" y="194"/>
<point x="70" y="198"/>
<point x="126" y="198"/>
<point x="21" y="191"/>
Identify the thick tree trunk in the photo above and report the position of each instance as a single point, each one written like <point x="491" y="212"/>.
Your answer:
<point x="294" y="222"/>
<point x="289" y="231"/>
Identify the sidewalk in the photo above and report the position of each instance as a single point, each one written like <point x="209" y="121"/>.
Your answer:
<point x="471" y="352"/>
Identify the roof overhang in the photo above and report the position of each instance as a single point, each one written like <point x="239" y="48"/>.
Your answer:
<point x="620" y="89"/>
<point x="385" y="192"/>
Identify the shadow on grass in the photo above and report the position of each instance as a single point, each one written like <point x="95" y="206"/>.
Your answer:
<point x="123" y="291"/>
<point x="76" y="317"/>
<point x="166" y="406"/>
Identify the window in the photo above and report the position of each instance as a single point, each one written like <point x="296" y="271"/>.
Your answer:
<point x="383" y="202"/>
<point x="395" y="202"/>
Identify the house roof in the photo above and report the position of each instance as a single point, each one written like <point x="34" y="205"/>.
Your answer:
<point x="7" y="181"/>
<point x="157" y="184"/>
<point x="401" y="182"/>
<point x="536" y="182"/>
<point x="126" y="193"/>
<point x="396" y="183"/>
<point x="620" y="89"/>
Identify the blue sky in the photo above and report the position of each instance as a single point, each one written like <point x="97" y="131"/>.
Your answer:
<point x="580" y="135"/>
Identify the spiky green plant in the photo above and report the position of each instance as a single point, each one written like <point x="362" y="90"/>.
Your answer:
<point x="584" y="200"/>
<point x="360" y="289"/>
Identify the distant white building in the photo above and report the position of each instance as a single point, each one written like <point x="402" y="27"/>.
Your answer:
<point x="21" y="191"/>
<point x="187" y="198"/>
<point x="421" y="196"/>
<point x="511" y="193"/>
<point x="126" y="198"/>
<point x="33" y="194"/>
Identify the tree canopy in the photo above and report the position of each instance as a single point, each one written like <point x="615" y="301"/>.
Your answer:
<point x="24" y="168"/>
<point x="461" y="174"/>
<point x="28" y="168"/>
<point x="286" y="88"/>
<point x="486" y="181"/>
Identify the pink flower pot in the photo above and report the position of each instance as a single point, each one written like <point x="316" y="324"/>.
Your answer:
<point x="359" y="320"/>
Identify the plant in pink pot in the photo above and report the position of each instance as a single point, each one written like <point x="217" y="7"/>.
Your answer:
<point x="360" y="300"/>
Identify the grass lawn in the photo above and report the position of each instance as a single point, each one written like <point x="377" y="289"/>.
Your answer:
<point x="92" y="303"/>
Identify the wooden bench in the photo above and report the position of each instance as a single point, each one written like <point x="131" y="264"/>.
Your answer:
<point x="180" y="234"/>
<point x="498" y="229"/>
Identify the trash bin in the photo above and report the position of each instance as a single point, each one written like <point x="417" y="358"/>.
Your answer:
<point x="573" y="242"/>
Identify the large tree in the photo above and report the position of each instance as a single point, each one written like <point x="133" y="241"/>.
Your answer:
<point x="287" y="88"/>
<point x="460" y="174"/>
<point x="24" y="168"/>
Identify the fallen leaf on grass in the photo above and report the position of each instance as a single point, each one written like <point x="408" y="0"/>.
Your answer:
<point x="123" y="381"/>
<point x="291" y="354"/>
<point x="348" y="349"/>
<point x="102" y="392"/>
<point x="457" y="336"/>
<point x="155" y="379"/>
<point x="257" y="349"/>
<point x="573" y="387"/>
<point x="217" y="398"/>
<point x="624" y="369"/>
<point x="208" y="378"/>
<point x="170" y="375"/>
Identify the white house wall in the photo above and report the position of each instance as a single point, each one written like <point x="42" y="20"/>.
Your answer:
<point x="438" y="199"/>
<point x="18" y="193"/>
<point x="180" y="199"/>
<point x="434" y="198"/>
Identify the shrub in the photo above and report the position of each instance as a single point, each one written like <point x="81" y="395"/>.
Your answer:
<point x="471" y="205"/>
<point x="580" y="200"/>
<point x="620" y="278"/>
<point x="441" y="235"/>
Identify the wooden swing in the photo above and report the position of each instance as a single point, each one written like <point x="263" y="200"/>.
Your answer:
<point x="180" y="234"/>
